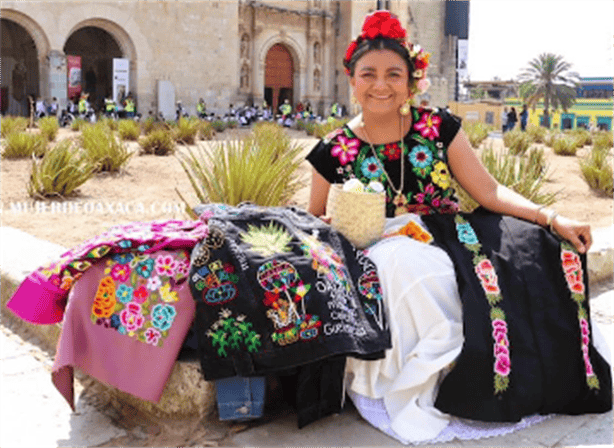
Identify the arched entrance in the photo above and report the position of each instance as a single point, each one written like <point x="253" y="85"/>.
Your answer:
<point x="278" y="77"/>
<point x="20" y="69"/>
<point x="97" y="49"/>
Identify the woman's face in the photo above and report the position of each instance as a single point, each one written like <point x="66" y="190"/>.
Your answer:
<point x="380" y="81"/>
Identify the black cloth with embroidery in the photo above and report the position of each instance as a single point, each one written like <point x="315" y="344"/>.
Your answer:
<point x="548" y="372"/>
<point x="276" y="288"/>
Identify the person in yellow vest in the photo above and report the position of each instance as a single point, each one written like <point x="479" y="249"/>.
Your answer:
<point x="201" y="108"/>
<point x="82" y="108"/>
<point x="129" y="106"/>
<point x="109" y="107"/>
<point x="285" y="109"/>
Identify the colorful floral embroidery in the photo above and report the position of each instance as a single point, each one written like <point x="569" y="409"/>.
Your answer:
<point x="417" y="232"/>
<point x="233" y="333"/>
<point x="441" y="175"/>
<point x="487" y="276"/>
<point x="346" y="149"/>
<point x="162" y="316"/>
<point x="428" y="126"/>
<point x="370" y="287"/>
<point x="574" y="276"/>
<point x="371" y="168"/>
<point x="104" y="301"/>
<point x="421" y="157"/>
<point x="139" y="303"/>
<point x="392" y="151"/>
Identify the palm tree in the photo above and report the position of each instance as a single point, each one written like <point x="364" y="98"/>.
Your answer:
<point x="548" y="77"/>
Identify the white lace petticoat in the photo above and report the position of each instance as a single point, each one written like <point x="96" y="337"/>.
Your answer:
<point x="374" y="411"/>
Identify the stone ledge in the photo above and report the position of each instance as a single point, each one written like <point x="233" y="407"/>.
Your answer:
<point x="186" y="394"/>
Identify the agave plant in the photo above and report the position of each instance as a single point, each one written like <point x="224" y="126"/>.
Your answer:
<point x="60" y="172"/>
<point x="104" y="148"/>
<point x="251" y="170"/>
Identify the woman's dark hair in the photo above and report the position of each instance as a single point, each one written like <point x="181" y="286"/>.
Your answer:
<point x="379" y="43"/>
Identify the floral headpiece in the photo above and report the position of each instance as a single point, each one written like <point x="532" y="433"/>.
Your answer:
<point x="382" y="23"/>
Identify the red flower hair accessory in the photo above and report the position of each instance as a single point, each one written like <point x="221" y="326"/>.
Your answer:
<point x="382" y="23"/>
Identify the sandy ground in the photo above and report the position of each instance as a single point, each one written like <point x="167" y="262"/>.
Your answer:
<point x="147" y="190"/>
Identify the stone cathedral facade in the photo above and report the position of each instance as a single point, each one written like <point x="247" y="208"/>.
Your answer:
<point x="230" y="52"/>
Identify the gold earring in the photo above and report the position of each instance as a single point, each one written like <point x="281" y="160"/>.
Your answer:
<point x="353" y="100"/>
<point x="405" y="108"/>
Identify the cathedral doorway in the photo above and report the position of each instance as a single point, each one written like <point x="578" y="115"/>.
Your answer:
<point x="278" y="77"/>
<point x="97" y="49"/>
<point x="20" y="69"/>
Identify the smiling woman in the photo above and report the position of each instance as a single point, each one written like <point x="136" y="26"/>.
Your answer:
<point x="459" y="296"/>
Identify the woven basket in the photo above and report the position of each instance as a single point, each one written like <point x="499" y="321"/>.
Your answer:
<point x="360" y="217"/>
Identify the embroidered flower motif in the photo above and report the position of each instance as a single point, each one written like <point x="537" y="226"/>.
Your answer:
<point x="168" y="295"/>
<point x="572" y="269"/>
<point x="122" y="258"/>
<point x="104" y="300"/>
<point x="152" y="336"/>
<point x="166" y="265"/>
<point x="421" y="156"/>
<point x="140" y="294"/>
<point x="162" y="316"/>
<point x="485" y="272"/>
<point x="124" y="293"/>
<point x="392" y="151"/>
<point x="346" y="150"/>
<point x="428" y="126"/>
<point x="488" y="277"/>
<point x="183" y="269"/>
<point x="466" y="234"/>
<point x="441" y="175"/>
<point x="371" y="168"/>
<point x="120" y="272"/>
<point x="125" y="244"/>
<point x="131" y="317"/>
<point x="153" y="283"/>
<point x="145" y="267"/>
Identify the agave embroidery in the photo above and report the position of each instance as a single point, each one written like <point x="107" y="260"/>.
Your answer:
<point x="267" y="240"/>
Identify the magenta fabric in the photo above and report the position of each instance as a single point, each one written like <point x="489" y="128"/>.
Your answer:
<point x="41" y="297"/>
<point x="119" y="349"/>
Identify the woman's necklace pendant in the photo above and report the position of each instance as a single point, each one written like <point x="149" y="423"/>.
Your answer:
<point x="400" y="202"/>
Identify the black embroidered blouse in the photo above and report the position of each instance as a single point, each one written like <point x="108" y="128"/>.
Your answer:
<point x="341" y="155"/>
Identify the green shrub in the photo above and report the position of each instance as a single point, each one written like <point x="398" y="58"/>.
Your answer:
<point x="110" y="123"/>
<point x="247" y="170"/>
<point x="205" y="130"/>
<point x="603" y="140"/>
<point x="272" y="135"/>
<point x="11" y="124"/>
<point x="159" y="142"/>
<point x="564" y="145"/>
<point x="186" y="130"/>
<point x="49" y="127"/>
<point x="19" y="145"/>
<point x="60" y="172"/>
<point x="321" y="130"/>
<point x="476" y="132"/>
<point x="582" y="137"/>
<point x="148" y="125"/>
<point x="103" y="148"/>
<point x="538" y="134"/>
<point x="232" y="124"/>
<point x="525" y="175"/>
<point x="310" y="128"/>
<point x="78" y="123"/>
<point x="597" y="171"/>
<point x="219" y="125"/>
<point x="517" y="141"/>
<point x="128" y="130"/>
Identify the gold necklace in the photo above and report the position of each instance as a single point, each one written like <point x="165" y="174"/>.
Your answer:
<point x="400" y="200"/>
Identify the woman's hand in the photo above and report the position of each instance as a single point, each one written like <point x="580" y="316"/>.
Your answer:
<point x="577" y="233"/>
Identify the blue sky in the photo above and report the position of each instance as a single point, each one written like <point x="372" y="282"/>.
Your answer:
<point x="504" y="35"/>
